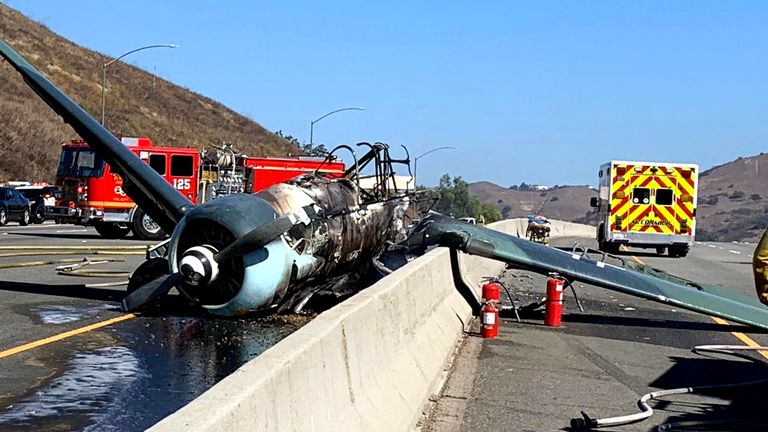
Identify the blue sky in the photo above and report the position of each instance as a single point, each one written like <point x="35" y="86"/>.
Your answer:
<point x="541" y="92"/>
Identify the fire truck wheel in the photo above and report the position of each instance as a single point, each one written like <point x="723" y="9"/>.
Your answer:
<point x="111" y="230"/>
<point x="145" y="228"/>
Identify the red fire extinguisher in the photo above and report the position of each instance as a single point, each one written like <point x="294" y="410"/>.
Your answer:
<point x="491" y="292"/>
<point x="553" y="311"/>
<point x="490" y="312"/>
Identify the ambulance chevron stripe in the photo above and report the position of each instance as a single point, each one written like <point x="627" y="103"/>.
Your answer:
<point x="652" y="217"/>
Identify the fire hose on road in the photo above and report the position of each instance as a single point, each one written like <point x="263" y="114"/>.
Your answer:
<point x="646" y="411"/>
<point x="76" y="267"/>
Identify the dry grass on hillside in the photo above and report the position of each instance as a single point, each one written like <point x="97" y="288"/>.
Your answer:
<point x="138" y="104"/>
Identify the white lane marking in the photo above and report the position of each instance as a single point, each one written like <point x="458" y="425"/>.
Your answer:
<point x="712" y="246"/>
<point x="735" y="252"/>
<point x="12" y="228"/>
<point x="720" y="248"/>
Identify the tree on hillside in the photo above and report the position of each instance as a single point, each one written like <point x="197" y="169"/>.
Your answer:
<point x="316" y="150"/>
<point x="453" y="199"/>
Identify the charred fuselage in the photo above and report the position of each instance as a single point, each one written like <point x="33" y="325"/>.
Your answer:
<point x="320" y="252"/>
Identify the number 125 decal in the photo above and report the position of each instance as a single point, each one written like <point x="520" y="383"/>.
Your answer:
<point x="181" y="183"/>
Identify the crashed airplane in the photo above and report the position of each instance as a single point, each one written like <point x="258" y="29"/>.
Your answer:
<point x="275" y="249"/>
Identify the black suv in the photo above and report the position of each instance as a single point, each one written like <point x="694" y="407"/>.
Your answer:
<point x="13" y="206"/>
<point x="40" y="199"/>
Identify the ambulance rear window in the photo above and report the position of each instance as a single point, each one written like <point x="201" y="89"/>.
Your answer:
<point x="664" y="197"/>
<point x="641" y="196"/>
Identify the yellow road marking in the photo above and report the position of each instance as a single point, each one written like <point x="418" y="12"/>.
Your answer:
<point x="64" y="335"/>
<point x="626" y="249"/>
<point x="740" y="336"/>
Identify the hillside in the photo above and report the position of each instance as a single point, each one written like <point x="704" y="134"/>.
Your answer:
<point x="733" y="200"/>
<point x="138" y="104"/>
<point x="570" y="203"/>
<point x="732" y="204"/>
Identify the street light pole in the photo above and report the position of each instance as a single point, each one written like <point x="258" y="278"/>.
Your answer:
<point x="416" y="161"/>
<point x="104" y="73"/>
<point x="312" y="124"/>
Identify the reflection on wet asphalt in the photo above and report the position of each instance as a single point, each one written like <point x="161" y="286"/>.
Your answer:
<point x="129" y="376"/>
<point x="61" y="314"/>
<point x="93" y="379"/>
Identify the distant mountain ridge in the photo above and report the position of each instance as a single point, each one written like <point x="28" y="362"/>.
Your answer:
<point x="732" y="201"/>
<point x="138" y="104"/>
<point x="570" y="203"/>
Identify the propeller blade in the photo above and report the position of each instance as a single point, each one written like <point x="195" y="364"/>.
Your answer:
<point x="149" y="292"/>
<point x="257" y="238"/>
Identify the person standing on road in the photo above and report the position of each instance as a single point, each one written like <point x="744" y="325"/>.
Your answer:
<point x="760" y="269"/>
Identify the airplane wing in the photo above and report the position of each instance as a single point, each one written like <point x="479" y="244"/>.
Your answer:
<point x="161" y="201"/>
<point x="638" y="280"/>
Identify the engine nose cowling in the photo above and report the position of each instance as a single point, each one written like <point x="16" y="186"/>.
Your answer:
<point x="239" y="284"/>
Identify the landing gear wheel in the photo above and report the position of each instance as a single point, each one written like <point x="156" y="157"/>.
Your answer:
<point x="24" y="218"/>
<point x="661" y="250"/>
<point x="111" y="230"/>
<point x="145" y="228"/>
<point x="39" y="215"/>
<point x="3" y="217"/>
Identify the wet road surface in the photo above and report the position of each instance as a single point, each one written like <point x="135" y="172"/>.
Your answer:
<point x="125" y="376"/>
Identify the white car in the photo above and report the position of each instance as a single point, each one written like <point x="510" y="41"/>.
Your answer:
<point x="41" y="198"/>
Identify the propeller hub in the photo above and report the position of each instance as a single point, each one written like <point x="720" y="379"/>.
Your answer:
<point x="197" y="266"/>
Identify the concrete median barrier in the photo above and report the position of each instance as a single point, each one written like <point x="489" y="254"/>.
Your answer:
<point x="368" y="364"/>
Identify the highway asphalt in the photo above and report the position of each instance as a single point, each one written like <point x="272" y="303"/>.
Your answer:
<point x="601" y="361"/>
<point x="124" y="376"/>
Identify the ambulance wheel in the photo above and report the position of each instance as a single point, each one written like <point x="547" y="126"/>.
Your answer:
<point x="145" y="228"/>
<point x="661" y="250"/>
<point x="601" y="239"/>
<point x="678" y="252"/>
<point x="111" y="230"/>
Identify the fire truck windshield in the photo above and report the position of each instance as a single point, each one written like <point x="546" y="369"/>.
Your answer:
<point x="79" y="162"/>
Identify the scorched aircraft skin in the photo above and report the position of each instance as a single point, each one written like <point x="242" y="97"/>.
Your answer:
<point x="242" y="253"/>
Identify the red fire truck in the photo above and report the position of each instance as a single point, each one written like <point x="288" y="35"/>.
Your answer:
<point x="90" y="194"/>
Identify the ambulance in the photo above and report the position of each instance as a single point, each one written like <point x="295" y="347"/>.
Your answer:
<point x="646" y="205"/>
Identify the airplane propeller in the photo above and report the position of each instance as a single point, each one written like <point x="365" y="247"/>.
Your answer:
<point x="199" y="265"/>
